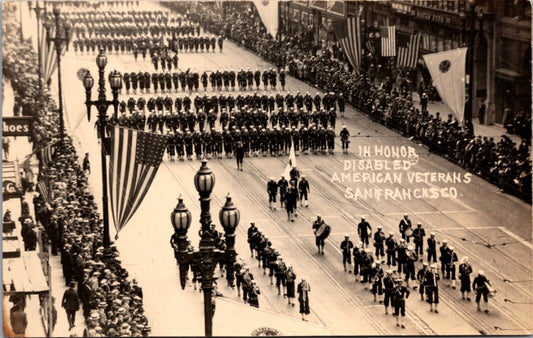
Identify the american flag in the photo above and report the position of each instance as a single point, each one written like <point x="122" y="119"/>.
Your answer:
<point x="388" y="40"/>
<point x="348" y="33"/>
<point x="408" y="56"/>
<point x="42" y="186"/>
<point x="48" y="53"/>
<point x="135" y="157"/>
<point x="47" y="153"/>
<point x="370" y="46"/>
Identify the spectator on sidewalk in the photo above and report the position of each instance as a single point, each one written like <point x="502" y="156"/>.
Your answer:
<point x="5" y="148"/>
<point x="86" y="164"/>
<point x="19" y="321"/>
<point x="71" y="304"/>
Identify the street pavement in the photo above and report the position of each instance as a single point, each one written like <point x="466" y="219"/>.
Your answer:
<point x="492" y="228"/>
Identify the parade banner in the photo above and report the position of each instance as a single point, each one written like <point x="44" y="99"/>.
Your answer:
<point x="269" y="12"/>
<point x="447" y="71"/>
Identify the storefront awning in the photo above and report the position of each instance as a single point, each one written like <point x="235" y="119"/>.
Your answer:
<point x="23" y="275"/>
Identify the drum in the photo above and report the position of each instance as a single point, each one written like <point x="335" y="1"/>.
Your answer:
<point x="323" y="231"/>
<point x="408" y="232"/>
<point x="492" y="291"/>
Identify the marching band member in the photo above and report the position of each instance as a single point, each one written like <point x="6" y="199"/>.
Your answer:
<point x="388" y="286"/>
<point x="412" y="257"/>
<point x="465" y="269"/>
<point x="431" y="285"/>
<point x="391" y="245"/>
<point x="480" y="286"/>
<point x="420" y="277"/>
<point x="405" y="226"/>
<point x="346" y="247"/>
<point x="432" y="248"/>
<point x="399" y="294"/>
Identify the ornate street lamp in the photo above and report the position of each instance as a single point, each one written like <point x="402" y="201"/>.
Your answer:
<point x="38" y="12"/>
<point x="62" y="36"/>
<point x="102" y="104"/>
<point x="207" y="257"/>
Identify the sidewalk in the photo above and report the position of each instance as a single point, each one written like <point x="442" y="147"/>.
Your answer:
<point x="19" y="148"/>
<point x="496" y="131"/>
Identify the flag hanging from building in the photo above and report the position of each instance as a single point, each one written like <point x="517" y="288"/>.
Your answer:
<point x="48" y="53"/>
<point x="408" y="55"/>
<point x="447" y="71"/>
<point x="42" y="187"/>
<point x="269" y="12"/>
<point x="370" y="46"/>
<point x="348" y="33"/>
<point x="46" y="153"/>
<point x="388" y="40"/>
<point x="135" y="157"/>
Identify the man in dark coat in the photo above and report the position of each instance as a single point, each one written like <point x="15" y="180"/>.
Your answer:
<point x="71" y="304"/>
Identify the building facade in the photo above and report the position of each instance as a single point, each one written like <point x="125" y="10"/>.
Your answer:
<point x="497" y="31"/>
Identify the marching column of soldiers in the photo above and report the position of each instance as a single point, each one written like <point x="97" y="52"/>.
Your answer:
<point x="271" y="262"/>
<point x="252" y="120"/>
<point x="218" y="80"/>
<point x="389" y="278"/>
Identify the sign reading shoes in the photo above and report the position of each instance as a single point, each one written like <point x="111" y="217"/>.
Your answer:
<point x="17" y="126"/>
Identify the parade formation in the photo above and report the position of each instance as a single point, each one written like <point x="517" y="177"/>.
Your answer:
<point x="196" y="81"/>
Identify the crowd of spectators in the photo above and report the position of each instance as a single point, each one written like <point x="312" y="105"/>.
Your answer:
<point x="379" y="89"/>
<point x="112" y="302"/>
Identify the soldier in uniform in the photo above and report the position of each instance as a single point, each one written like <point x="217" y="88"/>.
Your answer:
<point x="418" y="238"/>
<point x="346" y="247"/>
<point x="432" y="248"/>
<point x="479" y="285"/>
<point x="257" y="78"/>
<point x="345" y="135"/>
<point x="431" y="286"/>
<point x="405" y="225"/>
<point x="319" y="240"/>
<point x="341" y="103"/>
<point x="388" y="287"/>
<point x="411" y="258"/>
<point x="379" y="239"/>
<point x="282" y="185"/>
<point x="465" y="269"/>
<point x="364" y="230"/>
<point x="317" y="100"/>
<point x="264" y="77"/>
<point x="330" y="139"/>
<point x="399" y="294"/>
<point x="282" y="79"/>
<point x="420" y="276"/>
<point x="391" y="245"/>
<point x="280" y="273"/>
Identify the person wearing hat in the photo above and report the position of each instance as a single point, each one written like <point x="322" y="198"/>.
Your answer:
<point x="479" y="285"/>
<point x="29" y="236"/>
<point x="253" y="237"/>
<point x="86" y="164"/>
<point x="272" y="189"/>
<point x="319" y="240"/>
<point x="376" y="275"/>
<point x="465" y="269"/>
<point x="450" y="259"/>
<point x="364" y="230"/>
<point x="412" y="257"/>
<point x="253" y="294"/>
<point x="303" y="188"/>
<point x="357" y="254"/>
<point x="345" y="139"/>
<point x="431" y="279"/>
<point x="379" y="241"/>
<point x="405" y="226"/>
<point x="8" y="223"/>
<point x="365" y="265"/>
<point x="399" y="294"/>
<point x="420" y="278"/>
<point x="283" y="184"/>
<point x="291" y="201"/>
<point x="247" y="279"/>
<point x="418" y="238"/>
<point x="280" y="271"/>
<point x="401" y="255"/>
<point x="432" y="248"/>
<point x="388" y="287"/>
<point x="71" y="304"/>
<point x="346" y="247"/>
<point x="303" y="297"/>
<point x="445" y="255"/>
<point x="290" y="277"/>
<point x="392" y="245"/>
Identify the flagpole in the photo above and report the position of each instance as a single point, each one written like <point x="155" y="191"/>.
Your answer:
<point x="102" y="104"/>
